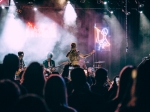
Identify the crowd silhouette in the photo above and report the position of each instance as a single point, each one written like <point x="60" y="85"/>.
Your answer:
<point x="73" y="90"/>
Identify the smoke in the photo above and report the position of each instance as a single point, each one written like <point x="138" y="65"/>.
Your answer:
<point x="35" y="39"/>
<point x="70" y="15"/>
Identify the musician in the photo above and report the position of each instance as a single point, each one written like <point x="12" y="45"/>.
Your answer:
<point x="74" y="55"/>
<point x="21" y="61"/>
<point x="21" y="69"/>
<point x="49" y="62"/>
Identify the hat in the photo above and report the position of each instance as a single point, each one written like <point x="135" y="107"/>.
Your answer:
<point x="49" y="55"/>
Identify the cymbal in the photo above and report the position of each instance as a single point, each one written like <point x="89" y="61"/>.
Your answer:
<point x="97" y="67"/>
<point x="100" y="62"/>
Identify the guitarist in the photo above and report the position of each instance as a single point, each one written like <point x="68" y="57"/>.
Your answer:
<point x="74" y="55"/>
<point x="49" y="63"/>
<point x="21" y="64"/>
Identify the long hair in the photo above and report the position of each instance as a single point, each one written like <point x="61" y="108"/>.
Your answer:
<point x="125" y="81"/>
<point x="33" y="78"/>
<point x="55" y="91"/>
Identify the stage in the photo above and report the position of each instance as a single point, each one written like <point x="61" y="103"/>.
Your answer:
<point x="119" y="36"/>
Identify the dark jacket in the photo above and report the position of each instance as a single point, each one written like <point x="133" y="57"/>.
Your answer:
<point x="52" y="63"/>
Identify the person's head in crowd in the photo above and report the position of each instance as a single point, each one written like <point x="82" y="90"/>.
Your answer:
<point x="10" y="66"/>
<point x="125" y="82"/>
<point x="31" y="103"/>
<point x="78" y="78"/>
<point x="55" y="91"/>
<point x="101" y="75"/>
<point x="65" y="72"/>
<point x="9" y="94"/>
<point x="33" y="78"/>
<point x="20" y="54"/>
<point x="140" y="90"/>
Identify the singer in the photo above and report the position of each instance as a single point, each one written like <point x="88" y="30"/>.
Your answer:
<point x="74" y="55"/>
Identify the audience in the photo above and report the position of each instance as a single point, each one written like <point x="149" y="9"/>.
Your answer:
<point x="113" y="89"/>
<point x="8" y="69"/>
<point x="124" y="84"/>
<point x="56" y="95"/>
<point x="129" y="92"/>
<point x="31" y="103"/>
<point x="33" y="79"/>
<point x="139" y="92"/>
<point x="82" y="98"/>
<point x="9" y="94"/>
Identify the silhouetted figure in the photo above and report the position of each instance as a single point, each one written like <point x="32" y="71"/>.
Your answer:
<point x="9" y="94"/>
<point x="82" y="98"/>
<point x="140" y="99"/>
<point x="9" y="68"/>
<point x="113" y="89"/>
<point x="100" y="86"/>
<point x="33" y="79"/>
<point x="56" y="95"/>
<point x="124" y="84"/>
<point x="1" y="68"/>
<point x="65" y="75"/>
<point x="31" y="103"/>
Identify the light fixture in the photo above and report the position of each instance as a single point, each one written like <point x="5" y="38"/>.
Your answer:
<point x="140" y="11"/>
<point x="105" y="3"/>
<point x="68" y="2"/>
<point x="35" y="9"/>
<point x="3" y="7"/>
<point x="126" y="12"/>
<point x="111" y="12"/>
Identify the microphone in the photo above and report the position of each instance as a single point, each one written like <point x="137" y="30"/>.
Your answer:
<point x="69" y="53"/>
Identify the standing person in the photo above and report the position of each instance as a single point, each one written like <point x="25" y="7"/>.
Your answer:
<point x="21" y="61"/>
<point x="74" y="55"/>
<point x="49" y="64"/>
<point x="21" y="65"/>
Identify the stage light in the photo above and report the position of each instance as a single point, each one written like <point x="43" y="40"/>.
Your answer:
<point x="111" y="12"/>
<point x="105" y="3"/>
<point x="126" y="12"/>
<point x="68" y="2"/>
<point x="3" y="7"/>
<point x="35" y="9"/>
<point x="141" y="5"/>
<point x="140" y="11"/>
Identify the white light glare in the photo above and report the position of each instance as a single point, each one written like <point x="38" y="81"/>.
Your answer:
<point x="111" y="12"/>
<point x="3" y="7"/>
<point x="68" y="2"/>
<point x="35" y="9"/>
<point x="141" y="5"/>
<point x="105" y="3"/>
<point x="141" y="11"/>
